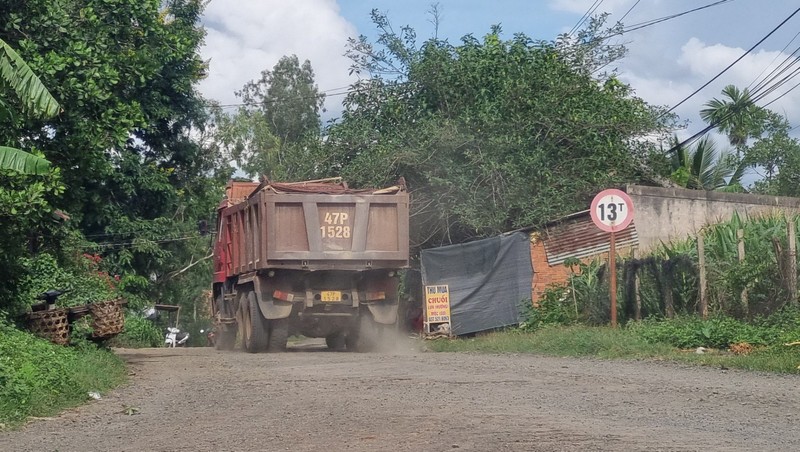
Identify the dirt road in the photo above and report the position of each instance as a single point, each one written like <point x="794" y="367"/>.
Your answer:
<point x="198" y="399"/>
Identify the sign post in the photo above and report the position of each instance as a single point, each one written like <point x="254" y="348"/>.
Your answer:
<point x="612" y="211"/>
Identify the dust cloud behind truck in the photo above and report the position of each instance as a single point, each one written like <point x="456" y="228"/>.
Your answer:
<point x="313" y="258"/>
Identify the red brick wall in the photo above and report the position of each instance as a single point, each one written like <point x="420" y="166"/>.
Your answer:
<point x="544" y="274"/>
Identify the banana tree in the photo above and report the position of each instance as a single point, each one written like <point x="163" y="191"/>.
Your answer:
<point x="36" y="100"/>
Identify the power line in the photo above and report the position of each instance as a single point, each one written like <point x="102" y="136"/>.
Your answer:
<point x="648" y="23"/>
<point x="776" y="57"/>
<point x="585" y="16"/>
<point x="735" y="61"/>
<point x="109" y="245"/>
<point x="758" y="96"/>
<point x="629" y="11"/>
<point x="258" y="104"/>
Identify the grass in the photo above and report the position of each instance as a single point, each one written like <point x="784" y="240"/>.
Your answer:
<point x="608" y="343"/>
<point x="39" y="379"/>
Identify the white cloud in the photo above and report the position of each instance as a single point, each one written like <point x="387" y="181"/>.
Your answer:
<point x="248" y="36"/>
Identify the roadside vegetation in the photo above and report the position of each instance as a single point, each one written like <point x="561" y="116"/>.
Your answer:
<point x="38" y="378"/>
<point x="752" y="319"/>
<point x="639" y="342"/>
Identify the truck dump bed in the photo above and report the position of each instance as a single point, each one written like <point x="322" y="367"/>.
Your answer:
<point x="311" y="226"/>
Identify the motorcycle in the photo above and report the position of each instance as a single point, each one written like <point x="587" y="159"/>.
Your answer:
<point x="175" y="338"/>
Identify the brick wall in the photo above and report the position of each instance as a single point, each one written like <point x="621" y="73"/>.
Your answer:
<point x="544" y="274"/>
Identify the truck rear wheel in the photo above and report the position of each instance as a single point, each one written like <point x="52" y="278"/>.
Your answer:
<point x="254" y="332"/>
<point x="278" y="335"/>
<point x="336" y="341"/>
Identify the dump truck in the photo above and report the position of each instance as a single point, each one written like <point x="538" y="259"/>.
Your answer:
<point x="312" y="258"/>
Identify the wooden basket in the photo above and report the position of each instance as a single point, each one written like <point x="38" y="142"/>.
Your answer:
<point x="107" y="318"/>
<point x="51" y="325"/>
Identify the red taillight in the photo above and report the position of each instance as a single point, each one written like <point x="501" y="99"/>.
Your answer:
<point x="283" y="296"/>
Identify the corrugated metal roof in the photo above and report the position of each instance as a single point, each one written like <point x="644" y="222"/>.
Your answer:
<point x="578" y="237"/>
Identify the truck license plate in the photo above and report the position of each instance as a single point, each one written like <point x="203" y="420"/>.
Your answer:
<point x="330" y="295"/>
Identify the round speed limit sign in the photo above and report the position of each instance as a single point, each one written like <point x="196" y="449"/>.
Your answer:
<point x="612" y="210"/>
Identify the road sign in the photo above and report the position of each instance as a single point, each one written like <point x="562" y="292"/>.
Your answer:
<point x="612" y="210"/>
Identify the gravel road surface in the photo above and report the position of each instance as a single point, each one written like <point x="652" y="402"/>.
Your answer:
<point x="311" y="399"/>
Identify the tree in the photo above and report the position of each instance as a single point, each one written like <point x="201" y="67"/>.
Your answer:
<point x="704" y="168"/>
<point x="278" y="119"/>
<point x="492" y="134"/>
<point x="125" y="74"/>
<point x="737" y="116"/>
<point x="288" y="97"/>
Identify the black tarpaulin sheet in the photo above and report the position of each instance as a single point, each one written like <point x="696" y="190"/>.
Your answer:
<point x="487" y="280"/>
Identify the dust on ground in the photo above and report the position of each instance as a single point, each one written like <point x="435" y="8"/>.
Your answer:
<point x="312" y="399"/>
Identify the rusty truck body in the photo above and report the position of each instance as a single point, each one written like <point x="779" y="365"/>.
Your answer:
<point x="313" y="258"/>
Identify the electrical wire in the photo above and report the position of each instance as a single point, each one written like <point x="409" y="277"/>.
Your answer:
<point x="648" y="23"/>
<point x="331" y="92"/>
<point x="774" y="59"/>
<point x="111" y="245"/>
<point x="734" y="62"/>
<point x="585" y="16"/>
<point x="758" y="97"/>
<point x="629" y="11"/>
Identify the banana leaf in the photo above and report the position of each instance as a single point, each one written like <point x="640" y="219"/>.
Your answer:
<point x="22" y="162"/>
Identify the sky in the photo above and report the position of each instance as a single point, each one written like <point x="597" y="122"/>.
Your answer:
<point x="665" y="64"/>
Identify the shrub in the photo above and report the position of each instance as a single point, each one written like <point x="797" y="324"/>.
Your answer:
<point x="139" y="332"/>
<point x="555" y="308"/>
<point x="717" y="332"/>
<point x="38" y="378"/>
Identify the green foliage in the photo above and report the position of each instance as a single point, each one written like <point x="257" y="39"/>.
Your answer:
<point x="288" y="98"/>
<point x="620" y="343"/>
<point x="737" y="116"/>
<point x="84" y="281"/>
<point x="705" y="168"/>
<point x="22" y="162"/>
<point x="139" y="332"/>
<point x="467" y="125"/>
<point x="555" y="308"/>
<point x="269" y="134"/>
<point x="668" y="278"/>
<point x="38" y="378"/>
<point x="18" y="76"/>
<point x="691" y="331"/>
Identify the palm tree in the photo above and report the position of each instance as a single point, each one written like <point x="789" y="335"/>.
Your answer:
<point x="703" y="168"/>
<point x="36" y="100"/>
<point x="736" y="117"/>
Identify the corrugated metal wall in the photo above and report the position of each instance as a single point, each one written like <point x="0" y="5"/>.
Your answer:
<point x="578" y="237"/>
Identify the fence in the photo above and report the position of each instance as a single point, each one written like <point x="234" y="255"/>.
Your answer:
<point x="742" y="269"/>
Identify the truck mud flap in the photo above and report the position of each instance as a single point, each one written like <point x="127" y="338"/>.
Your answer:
<point x="384" y="313"/>
<point x="270" y="308"/>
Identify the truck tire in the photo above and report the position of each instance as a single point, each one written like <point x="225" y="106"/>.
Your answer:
<point x="257" y="340"/>
<point x="278" y="334"/>
<point x="225" y="337"/>
<point x="336" y="341"/>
